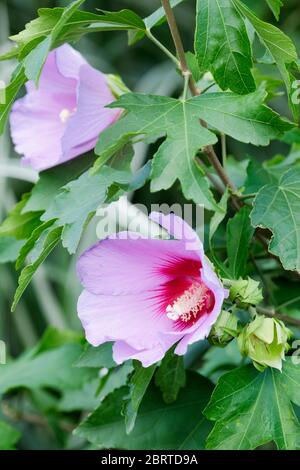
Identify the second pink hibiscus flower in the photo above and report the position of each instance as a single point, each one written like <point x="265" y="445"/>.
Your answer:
<point x="148" y="294"/>
<point x="63" y="118"/>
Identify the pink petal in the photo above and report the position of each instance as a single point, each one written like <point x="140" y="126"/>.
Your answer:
<point x="179" y="229"/>
<point x="91" y="117"/>
<point x="54" y="88"/>
<point x="69" y="61"/>
<point x="36" y="135"/>
<point x="134" y="319"/>
<point x="122" y="352"/>
<point x="70" y="86"/>
<point x="118" y="266"/>
<point x="36" y="127"/>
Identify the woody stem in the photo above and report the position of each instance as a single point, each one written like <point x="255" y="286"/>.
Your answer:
<point x="209" y="150"/>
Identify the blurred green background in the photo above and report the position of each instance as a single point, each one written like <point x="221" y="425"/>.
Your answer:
<point x="51" y="298"/>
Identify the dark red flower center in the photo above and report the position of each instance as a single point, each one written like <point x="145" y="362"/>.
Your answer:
<point x="187" y="308"/>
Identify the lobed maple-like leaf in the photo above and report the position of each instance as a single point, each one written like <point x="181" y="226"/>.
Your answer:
<point x="252" y="408"/>
<point x="222" y="45"/>
<point x="276" y="207"/>
<point x="243" y="117"/>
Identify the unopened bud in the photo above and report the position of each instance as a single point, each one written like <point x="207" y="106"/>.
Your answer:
<point x="265" y="341"/>
<point x="116" y="85"/>
<point x="224" y="330"/>
<point x="245" y="292"/>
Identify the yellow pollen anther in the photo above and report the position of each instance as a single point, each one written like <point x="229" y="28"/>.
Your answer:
<point x="65" y="114"/>
<point x="187" y="306"/>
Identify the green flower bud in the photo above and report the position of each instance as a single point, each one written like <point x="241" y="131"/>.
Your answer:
<point x="245" y="292"/>
<point x="265" y="341"/>
<point x="224" y="330"/>
<point x="116" y="85"/>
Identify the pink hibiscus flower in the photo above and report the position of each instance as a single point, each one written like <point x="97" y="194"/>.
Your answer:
<point x="148" y="294"/>
<point x="65" y="115"/>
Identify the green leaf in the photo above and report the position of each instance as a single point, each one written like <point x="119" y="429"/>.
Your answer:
<point x="292" y="137"/>
<point x="80" y="399"/>
<point x="217" y="361"/>
<point x="275" y="6"/>
<point x="276" y="42"/>
<point x="11" y="54"/>
<point x="33" y="243"/>
<point x="279" y="46"/>
<point x="239" y="235"/>
<point x="179" y="425"/>
<point x="9" y="436"/>
<point x="171" y="377"/>
<point x="151" y="116"/>
<point x="236" y="170"/>
<point x="257" y="177"/>
<point x="272" y="84"/>
<point x="116" y="378"/>
<point x="244" y="118"/>
<point x="17" y="81"/>
<point x="155" y="19"/>
<point x="280" y="164"/>
<point x="52" y="180"/>
<point x="52" y="239"/>
<point x="100" y="356"/>
<point x="124" y="19"/>
<point x="218" y="217"/>
<point x="78" y="198"/>
<point x="19" y="225"/>
<point x="73" y="27"/>
<point x="289" y="74"/>
<point x="78" y="201"/>
<point x="276" y="207"/>
<point x="222" y="45"/>
<point x="90" y="395"/>
<point x="193" y="66"/>
<point x="138" y="385"/>
<point x="215" y="222"/>
<point x="52" y="368"/>
<point x="139" y="179"/>
<point x="253" y="408"/>
<point x="9" y="249"/>
<point x="53" y="338"/>
<point x="34" y="61"/>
